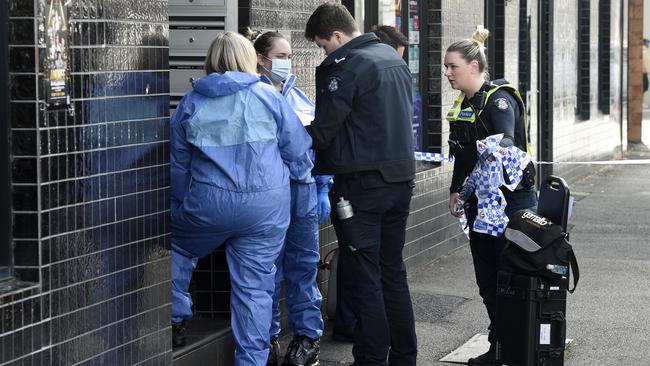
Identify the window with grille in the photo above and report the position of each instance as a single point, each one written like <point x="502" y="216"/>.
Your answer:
<point x="5" y="189"/>
<point x="584" y="66"/>
<point x="495" y="11"/>
<point x="604" y="54"/>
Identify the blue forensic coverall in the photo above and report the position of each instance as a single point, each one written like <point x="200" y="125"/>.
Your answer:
<point x="235" y="142"/>
<point x="298" y="262"/>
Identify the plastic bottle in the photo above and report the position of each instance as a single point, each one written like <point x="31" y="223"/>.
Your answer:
<point x="344" y="209"/>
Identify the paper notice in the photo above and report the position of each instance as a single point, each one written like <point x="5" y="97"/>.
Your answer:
<point x="544" y="334"/>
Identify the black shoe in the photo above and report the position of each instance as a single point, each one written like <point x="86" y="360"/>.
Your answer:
<point x="274" y="353"/>
<point x="486" y="359"/>
<point x="178" y="335"/>
<point x="302" y="351"/>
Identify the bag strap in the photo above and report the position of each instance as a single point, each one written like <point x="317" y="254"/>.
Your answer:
<point x="574" y="269"/>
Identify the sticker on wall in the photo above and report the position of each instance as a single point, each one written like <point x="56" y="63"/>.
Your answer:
<point x="57" y="55"/>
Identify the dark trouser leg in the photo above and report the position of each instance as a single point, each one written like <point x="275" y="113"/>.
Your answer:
<point x="486" y="250"/>
<point x="361" y="277"/>
<point x="371" y="263"/>
<point x="485" y="253"/>
<point x="397" y="298"/>
<point x="344" y="320"/>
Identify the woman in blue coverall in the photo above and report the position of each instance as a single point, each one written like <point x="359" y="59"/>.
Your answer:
<point x="298" y="262"/>
<point x="234" y="144"/>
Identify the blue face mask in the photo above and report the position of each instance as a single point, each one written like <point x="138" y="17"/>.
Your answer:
<point x="280" y="69"/>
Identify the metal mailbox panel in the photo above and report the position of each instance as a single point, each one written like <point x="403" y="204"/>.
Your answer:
<point x="197" y="40"/>
<point x="180" y="80"/>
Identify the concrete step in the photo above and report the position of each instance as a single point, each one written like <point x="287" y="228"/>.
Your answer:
<point x="209" y="342"/>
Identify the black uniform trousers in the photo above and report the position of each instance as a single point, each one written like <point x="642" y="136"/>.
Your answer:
<point x="372" y="267"/>
<point x="486" y="250"/>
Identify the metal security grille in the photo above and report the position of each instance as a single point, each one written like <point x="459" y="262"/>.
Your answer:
<point x="546" y="86"/>
<point x="433" y="78"/>
<point x="524" y="49"/>
<point x="495" y="22"/>
<point x="604" y="54"/>
<point x="5" y="211"/>
<point x="583" y="103"/>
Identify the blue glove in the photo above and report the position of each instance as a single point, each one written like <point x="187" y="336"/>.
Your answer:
<point x="324" y="207"/>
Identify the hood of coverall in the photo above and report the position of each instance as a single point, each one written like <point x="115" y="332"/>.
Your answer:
<point x="230" y="82"/>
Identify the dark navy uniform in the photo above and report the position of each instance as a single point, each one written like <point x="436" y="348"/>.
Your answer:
<point x="364" y="112"/>
<point x="362" y="135"/>
<point x="496" y="108"/>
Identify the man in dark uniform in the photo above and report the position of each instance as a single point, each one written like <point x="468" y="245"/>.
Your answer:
<point x="344" y="320"/>
<point x="362" y="135"/>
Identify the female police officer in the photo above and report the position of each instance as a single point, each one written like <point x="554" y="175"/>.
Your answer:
<point x="484" y="108"/>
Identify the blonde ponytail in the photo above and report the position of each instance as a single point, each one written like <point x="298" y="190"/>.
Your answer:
<point x="473" y="49"/>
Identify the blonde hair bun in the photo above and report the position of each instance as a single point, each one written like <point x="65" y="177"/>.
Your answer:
<point x="252" y="35"/>
<point x="480" y="35"/>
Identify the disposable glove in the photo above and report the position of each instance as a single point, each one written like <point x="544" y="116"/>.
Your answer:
<point x="324" y="207"/>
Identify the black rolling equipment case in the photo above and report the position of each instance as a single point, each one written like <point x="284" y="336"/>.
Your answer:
<point x="530" y="316"/>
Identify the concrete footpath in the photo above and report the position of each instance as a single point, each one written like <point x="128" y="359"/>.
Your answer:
<point x="608" y="315"/>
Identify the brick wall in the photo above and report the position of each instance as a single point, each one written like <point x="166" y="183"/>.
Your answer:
<point x="635" y="71"/>
<point x="437" y="232"/>
<point x="511" y="42"/>
<point x="599" y="137"/>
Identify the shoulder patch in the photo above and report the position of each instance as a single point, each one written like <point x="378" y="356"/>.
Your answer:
<point x="501" y="103"/>
<point x="333" y="84"/>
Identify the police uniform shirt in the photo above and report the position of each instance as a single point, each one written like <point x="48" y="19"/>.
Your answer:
<point x="501" y="114"/>
<point x="364" y="112"/>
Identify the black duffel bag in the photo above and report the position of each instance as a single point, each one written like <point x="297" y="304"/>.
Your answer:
<point x="537" y="247"/>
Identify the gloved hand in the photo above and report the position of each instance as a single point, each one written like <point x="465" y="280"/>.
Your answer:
<point x="324" y="207"/>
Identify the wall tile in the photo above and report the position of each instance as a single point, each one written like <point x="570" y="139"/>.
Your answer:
<point x="104" y="279"/>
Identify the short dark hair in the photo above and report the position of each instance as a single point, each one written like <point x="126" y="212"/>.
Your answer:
<point x="327" y="18"/>
<point x="390" y="36"/>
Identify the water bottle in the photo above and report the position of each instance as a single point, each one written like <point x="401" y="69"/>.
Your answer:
<point x="344" y="209"/>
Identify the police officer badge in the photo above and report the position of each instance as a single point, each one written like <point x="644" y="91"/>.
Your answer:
<point x="333" y="85"/>
<point x="501" y="103"/>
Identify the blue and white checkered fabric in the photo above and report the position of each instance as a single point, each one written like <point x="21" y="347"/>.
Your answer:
<point x="514" y="163"/>
<point x="435" y="157"/>
<point x="487" y="178"/>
